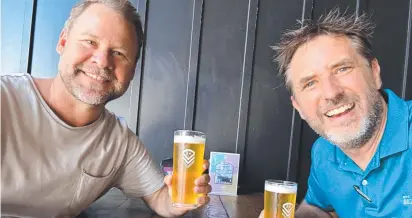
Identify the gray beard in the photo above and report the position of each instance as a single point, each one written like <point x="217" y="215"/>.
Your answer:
<point x="78" y="92"/>
<point x="369" y="126"/>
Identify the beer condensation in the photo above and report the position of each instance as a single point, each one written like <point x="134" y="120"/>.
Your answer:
<point x="280" y="201"/>
<point x="186" y="169"/>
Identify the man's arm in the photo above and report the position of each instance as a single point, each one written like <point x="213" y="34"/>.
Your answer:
<point x="160" y="203"/>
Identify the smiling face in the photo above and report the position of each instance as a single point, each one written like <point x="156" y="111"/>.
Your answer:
<point x="335" y="90"/>
<point x="98" y="55"/>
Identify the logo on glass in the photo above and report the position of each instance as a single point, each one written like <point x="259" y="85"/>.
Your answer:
<point x="287" y="209"/>
<point x="188" y="157"/>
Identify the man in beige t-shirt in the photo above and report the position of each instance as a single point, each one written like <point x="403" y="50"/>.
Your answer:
<point x="60" y="148"/>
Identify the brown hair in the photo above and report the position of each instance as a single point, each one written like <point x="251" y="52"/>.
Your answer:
<point x="358" y="29"/>
<point x="123" y="7"/>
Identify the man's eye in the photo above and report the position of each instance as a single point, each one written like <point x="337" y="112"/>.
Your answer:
<point x="309" y="84"/>
<point x="90" y="42"/>
<point x="343" y="69"/>
<point x="117" y="53"/>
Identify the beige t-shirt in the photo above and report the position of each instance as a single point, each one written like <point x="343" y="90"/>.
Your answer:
<point x="50" y="169"/>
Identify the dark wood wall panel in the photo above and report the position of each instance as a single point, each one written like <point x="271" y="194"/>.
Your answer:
<point x="270" y="110"/>
<point x="321" y="7"/>
<point x="220" y="72"/>
<point x="165" y="73"/>
<point x="391" y="26"/>
<point x="408" y="54"/>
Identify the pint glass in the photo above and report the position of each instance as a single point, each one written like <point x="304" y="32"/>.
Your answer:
<point x="188" y="151"/>
<point x="280" y="199"/>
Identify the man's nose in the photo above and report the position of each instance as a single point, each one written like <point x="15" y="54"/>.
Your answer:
<point x="332" y="90"/>
<point x="102" y="59"/>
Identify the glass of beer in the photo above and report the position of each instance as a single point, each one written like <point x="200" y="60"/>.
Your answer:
<point x="280" y="199"/>
<point x="188" y="151"/>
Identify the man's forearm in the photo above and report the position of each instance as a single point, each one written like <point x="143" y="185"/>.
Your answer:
<point x="161" y="203"/>
<point x="308" y="211"/>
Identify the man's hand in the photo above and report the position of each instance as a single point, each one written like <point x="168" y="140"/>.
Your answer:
<point x="201" y="187"/>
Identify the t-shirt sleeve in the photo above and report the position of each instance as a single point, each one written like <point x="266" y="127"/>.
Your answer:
<point x="140" y="175"/>
<point x="315" y="195"/>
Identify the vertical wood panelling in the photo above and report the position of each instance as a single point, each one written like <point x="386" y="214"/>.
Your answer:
<point x="247" y="71"/>
<point x="270" y="109"/>
<point x="391" y="26"/>
<point x="321" y="7"/>
<point x="407" y="75"/>
<point x="221" y="72"/>
<point x="165" y="72"/>
<point x="192" y="72"/>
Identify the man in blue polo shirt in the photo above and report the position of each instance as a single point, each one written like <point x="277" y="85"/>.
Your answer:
<point x="362" y="163"/>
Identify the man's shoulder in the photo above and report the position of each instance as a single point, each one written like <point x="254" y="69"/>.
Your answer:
<point x="5" y="76"/>
<point x="409" y="104"/>
<point x="13" y="82"/>
<point x="13" y="78"/>
<point x="119" y="128"/>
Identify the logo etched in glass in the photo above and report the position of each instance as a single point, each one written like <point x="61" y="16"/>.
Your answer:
<point x="287" y="209"/>
<point x="188" y="157"/>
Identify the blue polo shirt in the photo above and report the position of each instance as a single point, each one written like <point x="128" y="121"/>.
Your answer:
<point x="387" y="180"/>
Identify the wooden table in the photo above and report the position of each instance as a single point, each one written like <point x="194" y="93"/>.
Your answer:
<point x="115" y="204"/>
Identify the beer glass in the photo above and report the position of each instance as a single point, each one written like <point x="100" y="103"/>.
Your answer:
<point x="188" y="151"/>
<point x="280" y="199"/>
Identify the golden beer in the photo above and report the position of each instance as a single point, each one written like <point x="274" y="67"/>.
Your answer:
<point x="280" y="199"/>
<point x="188" y="151"/>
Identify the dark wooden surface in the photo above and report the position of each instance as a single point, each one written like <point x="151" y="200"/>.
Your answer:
<point x="115" y="204"/>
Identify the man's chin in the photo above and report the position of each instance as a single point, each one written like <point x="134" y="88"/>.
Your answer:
<point x="93" y="100"/>
<point x="343" y="139"/>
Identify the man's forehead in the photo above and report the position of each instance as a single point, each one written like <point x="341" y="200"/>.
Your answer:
<point x="94" y="20"/>
<point x="322" y="53"/>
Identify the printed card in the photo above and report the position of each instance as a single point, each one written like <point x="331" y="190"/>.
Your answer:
<point x="224" y="173"/>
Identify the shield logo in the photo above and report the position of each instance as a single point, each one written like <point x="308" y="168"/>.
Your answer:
<point x="287" y="210"/>
<point x="188" y="157"/>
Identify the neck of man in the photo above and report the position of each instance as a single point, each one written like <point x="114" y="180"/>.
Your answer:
<point x="69" y="109"/>
<point x="364" y="154"/>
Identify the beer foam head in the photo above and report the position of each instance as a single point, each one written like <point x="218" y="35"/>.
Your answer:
<point x="280" y="188"/>
<point x="189" y="139"/>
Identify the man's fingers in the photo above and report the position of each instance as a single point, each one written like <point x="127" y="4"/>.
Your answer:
<point x="168" y="180"/>
<point x="203" y="180"/>
<point x="203" y="189"/>
<point x="261" y="214"/>
<point x="203" y="200"/>
<point x="205" y="164"/>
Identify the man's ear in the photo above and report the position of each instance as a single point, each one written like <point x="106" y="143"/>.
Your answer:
<point x="297" y="107"/>
<point x="376" y="73"/>
<point x="62" y="42"/>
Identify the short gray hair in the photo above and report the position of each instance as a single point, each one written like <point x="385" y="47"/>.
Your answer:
<point x="359" y="29"/>
<point x="123" y="7"/>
